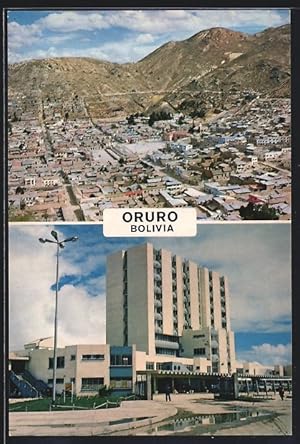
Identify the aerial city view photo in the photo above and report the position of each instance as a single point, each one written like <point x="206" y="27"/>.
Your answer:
<point x="149" y="108"/>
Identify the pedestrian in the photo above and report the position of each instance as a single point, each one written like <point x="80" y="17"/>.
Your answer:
<point x="168" y="393"/>
<point x="281" y="392"/>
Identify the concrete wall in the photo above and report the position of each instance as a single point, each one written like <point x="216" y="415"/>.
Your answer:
<point x="114" y="299"/>
<point x="167" y="298"/>
<point x="179" y="292"/>
<point x="141" y="297"/>
<point x="194" y="295"/>
<point x="204" y="297"/>
<point x="192" y="339"/>
<point x="38" y="365"/>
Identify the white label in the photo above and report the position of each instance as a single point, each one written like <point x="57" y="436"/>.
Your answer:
<point x="149" y="222"/>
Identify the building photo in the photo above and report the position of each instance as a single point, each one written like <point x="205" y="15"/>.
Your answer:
<point x="149" y="318"/>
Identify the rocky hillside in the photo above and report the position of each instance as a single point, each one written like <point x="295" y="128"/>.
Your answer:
<point x="202" y="70"/>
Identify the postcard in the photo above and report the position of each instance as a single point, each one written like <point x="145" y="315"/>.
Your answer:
<point x="149" y="221"/>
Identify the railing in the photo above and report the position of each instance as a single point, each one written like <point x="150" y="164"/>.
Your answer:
<point x="25" y="388"/>
<point x="38" y="384"/>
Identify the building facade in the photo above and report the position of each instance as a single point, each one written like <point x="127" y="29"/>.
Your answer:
<point x="81" y="369"/>
<point x="170" y="307"/>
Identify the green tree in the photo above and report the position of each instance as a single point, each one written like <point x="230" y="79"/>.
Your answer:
<point x="258" y="212"/>
<point x="131" y="120"/>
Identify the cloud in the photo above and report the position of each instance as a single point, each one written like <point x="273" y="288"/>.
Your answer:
<point x="56" y="39"/>
<point x="138" y="30"/>
<point x="22" y="35"/>
<point x="267" y="354"/>
<point x="189" y="21"/>
<point x="69" y="21"/>
<point x="128" y="51"/>
<point x="81" y="316"/>
<point x="145" y="38"/>
<point x="254" y="257"/>
<point x="257" y="261"/>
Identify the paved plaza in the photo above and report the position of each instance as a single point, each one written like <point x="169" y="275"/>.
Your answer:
<point x="144" y="418"/>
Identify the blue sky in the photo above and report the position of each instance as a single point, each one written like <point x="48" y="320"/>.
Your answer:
<point x="255" y="257"/>
<point x="121" y="35"/>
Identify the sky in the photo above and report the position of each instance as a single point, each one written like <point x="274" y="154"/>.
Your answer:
<point x="256" y="258"/>
<point x="121" y="35"/>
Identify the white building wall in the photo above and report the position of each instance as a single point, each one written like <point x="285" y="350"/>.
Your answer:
<point x="114" y="299"/>
<point x="141" y="297"/>
<point x="167" y="299"/>
<point x="194" y="295"/>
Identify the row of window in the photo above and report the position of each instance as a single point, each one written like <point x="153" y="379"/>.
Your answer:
<point x="60" y="360"/>
<point x="169" y="338"/>
<point x="199" y="351"/>
<point x="124" y="360"/>
<point x="84" y="381"/>
<point x="165" y="351"/>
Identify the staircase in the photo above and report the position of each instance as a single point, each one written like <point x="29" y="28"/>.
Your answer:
<point x="24" y="387"/>
<point x="38" y="384"/>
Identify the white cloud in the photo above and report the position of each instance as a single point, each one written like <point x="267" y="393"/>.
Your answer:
<point x="56" y="39"/>
<point x="31" y="301"/>
<point x="268" y="354"/>
<point x="166" y="21"/>
<point x="257" y="261"/>
<point x="22" y="35"/>
<point x="128" y="51"/>
<point x="69" y="21"/>
<point x="144" y="38"/>
<point x="146" y="27"/>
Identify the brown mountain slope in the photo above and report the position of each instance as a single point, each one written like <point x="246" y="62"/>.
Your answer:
<point x="181" y="74"/>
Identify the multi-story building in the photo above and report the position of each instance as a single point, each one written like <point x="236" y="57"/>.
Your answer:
<point x="167" y="324"/>
<point x="170" y="307"/>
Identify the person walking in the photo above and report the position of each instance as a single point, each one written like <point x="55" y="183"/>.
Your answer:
<point x="281" y="392"/>
<point x="168" y="393"/>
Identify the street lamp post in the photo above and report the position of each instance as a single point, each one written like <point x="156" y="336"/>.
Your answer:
<point x="59" y="244"/>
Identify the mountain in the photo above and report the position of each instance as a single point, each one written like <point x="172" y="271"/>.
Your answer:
<point x="202" y="70"/>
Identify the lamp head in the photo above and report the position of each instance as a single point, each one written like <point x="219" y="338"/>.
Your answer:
<point x="54" y="234"/>
<point x="71" y="239"/>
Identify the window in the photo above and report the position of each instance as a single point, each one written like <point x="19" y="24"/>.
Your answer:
<point x="121" y="383"/>
<point x="122" y="360"/>
<point x="92" y="357"/>
<point x="169" y="338"/>
<point x="73" y="357"/>
<point x="165" y="351"/>
<point x="199" y="351"/>
<point x="58" y="381"/>
<point x="91" y="384"/>
<point x="198" y="336"/>
<point x="73" y="380"/>
<point x="214" y="351"/>
<point x="60" y="362"/>
<point x="149" y="365"/>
